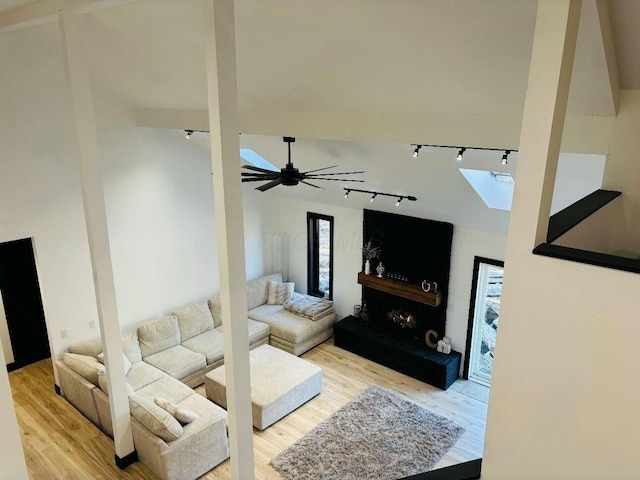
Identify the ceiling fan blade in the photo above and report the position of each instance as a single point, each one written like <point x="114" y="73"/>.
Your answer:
<point x="258" y="169"/>
<point x="256" y="174"/>
<point x="324" y="168"/>
<point x="311" y="184"/>
<point x="334" y="179"/>
<point x="267" y="186"/>
<point x="337" y="173"/>
<point x="257" y="179"/>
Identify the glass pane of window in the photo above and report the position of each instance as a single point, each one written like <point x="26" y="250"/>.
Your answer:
<point x="324" y="260"/>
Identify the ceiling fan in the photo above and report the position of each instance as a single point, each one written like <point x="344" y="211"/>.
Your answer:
<point x="290" y="175"/>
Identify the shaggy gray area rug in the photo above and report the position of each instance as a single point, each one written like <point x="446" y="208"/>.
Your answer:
<point x="378" y="435"/>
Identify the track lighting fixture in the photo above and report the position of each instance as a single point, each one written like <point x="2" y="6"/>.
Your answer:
<point x="188" y="134"/>
<point x="462" y="150"/>
<point x="373" y="194"/>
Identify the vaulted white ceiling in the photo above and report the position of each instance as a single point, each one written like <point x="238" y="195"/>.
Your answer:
<point x="399" y="72"/>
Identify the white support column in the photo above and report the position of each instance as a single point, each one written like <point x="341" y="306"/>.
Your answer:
<point x="543" y="118"/>
<point x="97" y="231"/>
<point x="11" y="453"/>
<point x="223" y="121"/>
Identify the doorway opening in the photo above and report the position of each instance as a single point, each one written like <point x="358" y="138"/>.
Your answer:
<point x="484" y="315"/>
<point x="23" y="329"/>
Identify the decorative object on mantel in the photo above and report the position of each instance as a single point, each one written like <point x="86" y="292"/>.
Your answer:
<point x="380" y="269"/>
<point x="375" y="194"/>
<point x="444" y="345"/>
<point x="431" y="339"/>
<point x="369" y="252"/>
<point x="428" y="286"/>
<point x="397" y="276"/>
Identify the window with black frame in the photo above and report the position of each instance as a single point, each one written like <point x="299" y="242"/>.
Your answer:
<point x="320" y="255"/>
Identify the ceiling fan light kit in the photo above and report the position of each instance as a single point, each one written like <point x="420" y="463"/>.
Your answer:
<point x="291" y="176"/>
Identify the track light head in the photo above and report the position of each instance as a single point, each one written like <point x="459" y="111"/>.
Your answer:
<point x="504" y="160"/>
<point x="416" y="151"/>
<point x="398" y="202"/>
<point x="188" y="134"/>
<point x="460" y="154"/>
<point x="346" y="195"/>
<point x="373" y="197"/>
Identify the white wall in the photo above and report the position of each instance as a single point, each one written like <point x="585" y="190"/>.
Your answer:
<point x="622" y="171"/>
<point x="467" y="244"/>
<point x="347" y="245"/>
<point x="5" y="339"/>
<point x="577" y="176"/>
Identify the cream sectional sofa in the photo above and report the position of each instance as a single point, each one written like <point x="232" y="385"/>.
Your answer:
<point x="170" y="354"/>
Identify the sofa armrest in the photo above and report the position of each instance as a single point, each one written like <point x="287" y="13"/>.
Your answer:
<point x="78" y="391"/>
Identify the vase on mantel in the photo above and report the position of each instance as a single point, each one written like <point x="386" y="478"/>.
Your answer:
<point x="367" y="267"/>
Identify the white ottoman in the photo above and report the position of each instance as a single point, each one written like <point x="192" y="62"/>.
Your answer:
<point x="280" y="383"/>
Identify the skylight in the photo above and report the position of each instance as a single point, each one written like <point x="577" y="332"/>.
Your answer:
<point x="494" y="188"/>
<point x="256" y="160"/>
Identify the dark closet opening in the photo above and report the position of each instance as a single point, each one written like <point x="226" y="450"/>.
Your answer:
<point x="23" y="303"/>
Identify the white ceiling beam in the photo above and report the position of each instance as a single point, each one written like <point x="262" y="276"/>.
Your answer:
<point x="44" y="11"/>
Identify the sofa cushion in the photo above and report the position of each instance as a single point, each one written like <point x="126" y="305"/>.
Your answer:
<point x="91" y="349"/>
<point x="104" y="385"/>
<point x="257" y="290"/>
<point x="166" y="387"/>
<point x="208" y="344"/>
<point x="154" y="418"/>
<point x="84" y="365"/>
<point x="158" y="334"/>
<point x="183" y="415"/>
<point x="278" y="293"/>
<point x="288" y="326"/>
<point x="257" y="330"/>
<point x="131" y="347"/>
<point x="177" y="361"/>
<point x="194" y="320"/>
<point x="125" y="359"/>
<point x="215" y="307"/>
<point x="142" y="374"/>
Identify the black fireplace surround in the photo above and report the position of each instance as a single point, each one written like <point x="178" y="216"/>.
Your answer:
<point x="394" y="334"/>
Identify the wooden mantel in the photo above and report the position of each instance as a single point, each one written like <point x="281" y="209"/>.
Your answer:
<point x="400" y="289"/>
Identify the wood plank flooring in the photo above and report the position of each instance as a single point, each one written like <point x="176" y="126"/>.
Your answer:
<point x="60" y="443"/>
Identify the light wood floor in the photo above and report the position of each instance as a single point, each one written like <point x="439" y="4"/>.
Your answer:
<point x="59" y="443"/>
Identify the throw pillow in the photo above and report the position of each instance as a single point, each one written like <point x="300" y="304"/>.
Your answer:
<point x="155" y="419"/>
<point x="183" y="415"/>
<point x="84" y="365"/>
<point x="127" y="363"/>
<point x="279" y="292"/>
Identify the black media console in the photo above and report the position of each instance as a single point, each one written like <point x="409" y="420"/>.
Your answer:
<point x="405" y="355"/>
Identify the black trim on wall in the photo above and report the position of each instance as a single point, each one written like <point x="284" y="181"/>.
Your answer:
<point x="463" y="471"/>
<point x="566" y="219"/>
<point x="127" y="460"/>
<point x="57" y="388"/>
<point x="591" y="258"/>
<point x="472" y="307"/>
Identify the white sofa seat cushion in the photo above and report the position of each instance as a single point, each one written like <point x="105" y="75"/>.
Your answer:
<point x="177" y="361"/>
<point x="288" y="326"/>
<point x="194" y="320"/>
<point x="208" y="344"/>
<point x="158" y="335"/>
<point x="165" y="387"/>
<point x="142" y="374"/>
<point x="257" y="330"/>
